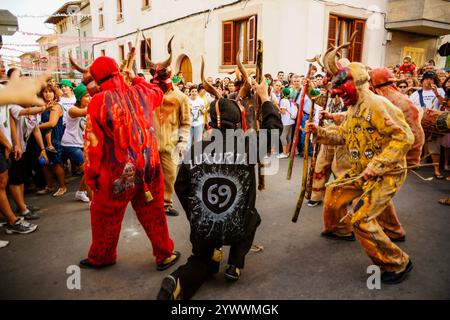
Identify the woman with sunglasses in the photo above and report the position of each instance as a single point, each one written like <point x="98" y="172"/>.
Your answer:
<point x="402" y="85"/>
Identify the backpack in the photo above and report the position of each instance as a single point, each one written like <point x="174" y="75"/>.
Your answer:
<point x="218" y="202"/>
<point x="422" y="102"/>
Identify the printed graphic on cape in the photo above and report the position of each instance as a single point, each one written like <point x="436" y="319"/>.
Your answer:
<point x="218" y="202"/>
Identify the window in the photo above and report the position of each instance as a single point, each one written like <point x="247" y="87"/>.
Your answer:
<point x="145" y="50"/>
<point x="86" y="58"/>
<point x="63" y="26"/>
<point x="239" y="34"/>
<point x="340" y="30"/>
<point x="145" y="4"/>
<point x="121" y="53"/>
<point x="100" y="18"/>
<point x="417" y="55"/>
<point x="103" y="52"/>
<point x="119" y="10"/>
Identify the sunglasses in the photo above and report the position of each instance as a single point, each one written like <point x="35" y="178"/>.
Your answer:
<point x="402" y="87"/>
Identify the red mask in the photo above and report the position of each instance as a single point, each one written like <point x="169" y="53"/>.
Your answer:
<point x="344" y="87"/>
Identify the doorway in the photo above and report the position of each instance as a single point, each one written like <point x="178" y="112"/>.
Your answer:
<point x="186" y="68"/>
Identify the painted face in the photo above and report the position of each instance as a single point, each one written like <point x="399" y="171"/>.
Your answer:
<point x="344" y="87"/>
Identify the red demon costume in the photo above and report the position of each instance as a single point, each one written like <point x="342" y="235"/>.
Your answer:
<point x="122" y="164"/>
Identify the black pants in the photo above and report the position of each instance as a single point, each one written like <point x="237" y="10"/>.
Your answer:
<point x="34" y="169"/>
<point x="200" y="265"/>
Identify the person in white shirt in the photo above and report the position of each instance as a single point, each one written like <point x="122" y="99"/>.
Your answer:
<point x="67" y="99"/>
<point x="26" y="123"/>
<point x="73" y="139"/>
<point x="197" y="111"/>
<point x="430" y="97"/>
<point x="288" y="112"/>
<point x="7" y="136"/>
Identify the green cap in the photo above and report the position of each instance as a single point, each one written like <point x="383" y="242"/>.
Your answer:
<point x="79" y="91"/>
<point x="66" y="83"/>
<point x="285" y="92"/>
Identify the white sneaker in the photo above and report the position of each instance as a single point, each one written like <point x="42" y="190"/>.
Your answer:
<point x="82" y="196"/>
<point x="282" y="156"/>
<point x="3" y="243"/>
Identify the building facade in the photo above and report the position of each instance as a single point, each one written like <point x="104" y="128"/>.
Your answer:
<point x="73" y="37"/>
<point x="291" y="31"/>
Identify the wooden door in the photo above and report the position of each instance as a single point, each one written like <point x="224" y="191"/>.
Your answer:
<point x="186" y="68"/>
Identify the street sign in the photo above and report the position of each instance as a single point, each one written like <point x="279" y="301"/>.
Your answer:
<point x="8" y="23"/>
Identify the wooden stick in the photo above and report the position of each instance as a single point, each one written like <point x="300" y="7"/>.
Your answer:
<point x="305" y="168"/>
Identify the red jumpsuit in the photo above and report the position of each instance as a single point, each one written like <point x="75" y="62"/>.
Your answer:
<point x="122" y="162"/>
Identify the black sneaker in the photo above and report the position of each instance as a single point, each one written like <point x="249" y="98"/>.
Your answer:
<point x="172" y="212"/>
<point x="33" y="208"/>
<point x="169" y="261"/>
<point x="312" y="203"/>
<point x="85" y="264"/>
<point x="21" y="227"/>
<point x="390" y="277"/>
<point x="334" y="236"/>
<point x="170" y="289"/>
<point x="30" y="215"/>
<point x="232" y="273"/>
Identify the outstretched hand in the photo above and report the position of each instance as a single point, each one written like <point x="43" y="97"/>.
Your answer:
<point x="262" y="90"/>
<point x="23" y="91"/>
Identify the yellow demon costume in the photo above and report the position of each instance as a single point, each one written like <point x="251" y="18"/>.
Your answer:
<point x="377" y="137"/>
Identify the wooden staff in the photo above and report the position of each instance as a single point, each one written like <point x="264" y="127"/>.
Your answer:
<point x="259" y="75"/>
<point x="305" y="167"/>
<point x="312" y="166"/>
<point x="132" y="53"/>
<point x="298" y="125"/>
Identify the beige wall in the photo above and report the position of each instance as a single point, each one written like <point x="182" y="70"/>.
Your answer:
<point x="401" y="10"/>
<point x="400" y="40"/>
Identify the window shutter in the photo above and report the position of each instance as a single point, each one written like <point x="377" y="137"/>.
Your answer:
<point x="144" y="50"/>
<point x="227" y="54"/>
<point x="358" y="46"/>
<point x="332" y="30"/>
<point x="251" y="47"/>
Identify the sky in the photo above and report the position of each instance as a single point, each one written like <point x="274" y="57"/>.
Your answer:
<point x="33" y="25"/>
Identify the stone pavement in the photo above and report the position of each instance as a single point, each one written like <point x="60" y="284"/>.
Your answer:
<point x="296" y="262"/>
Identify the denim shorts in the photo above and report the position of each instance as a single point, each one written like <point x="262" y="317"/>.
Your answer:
<point x="75" y="155"/>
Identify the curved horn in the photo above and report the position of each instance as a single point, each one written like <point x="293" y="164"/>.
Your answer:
<point x="149" y="64"/>
<point x="76" y="66"/>
<point x="316" y="59"/>
<point x="324" y="60"/>
<point x="330" y="59"/>
<point x="246" y="86"/>
<point x="209" y="88"/>
<point x="167" y="63"/>
<point x="353" y="38"/>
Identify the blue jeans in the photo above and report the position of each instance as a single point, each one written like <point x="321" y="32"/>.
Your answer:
<point x="301" y="143"/>
<point x="75" y="155"/>
<point x="196" y="132"/>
